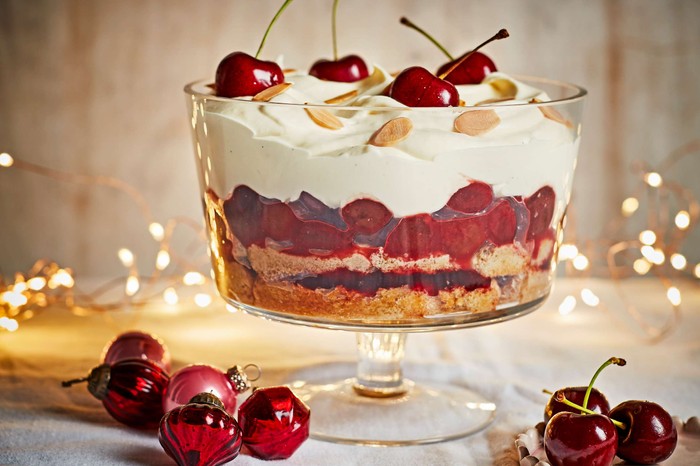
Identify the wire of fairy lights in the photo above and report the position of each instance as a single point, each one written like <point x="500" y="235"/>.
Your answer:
<point x="49" y="285"/>
<point x="672" y="213"/>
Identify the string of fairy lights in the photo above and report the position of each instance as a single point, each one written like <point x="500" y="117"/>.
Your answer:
<point x="672" y="212"/>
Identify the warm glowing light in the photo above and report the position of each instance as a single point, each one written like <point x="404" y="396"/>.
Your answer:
<point x="567" y="305"/>
<point x="231" y="309"/>
<point x="132" y="285"/>
<point x="162" y="259"/>
<point x="157" y="231"/>
<point x="641" y="266"/>
<point x="567" y="252"/>
<point x="126" y="256"/>
<point x="589" y="297"/>
<point x="202" y="299"/>
<point x="170" y="296"/>
<point x="653" y="179"/>
<point x="674" y="295"/>
<point x="629" y="206"/>
<point x="61" y="278"/>
<point x="647" y="237"/>
<point x="697" y="271"/>
<point x="13" y="298"/>
<point x="678" y="261"/>
<point x="682" y="220"/>
<point x="8" y="324"/>
<point x="653" y="255"/>
<point x="36" y="283"/>
<point x="580" y="262"/>
<point x="193" y="278"/>
<point x="6" y="160"/>
<point x="19" y="287"/>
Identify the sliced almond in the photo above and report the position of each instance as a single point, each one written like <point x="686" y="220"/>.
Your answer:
<point x="289" y="70"/>
<point x="392" y="132"/>
<point x="323" y="118"/>
<point x="553" y="114"/>
<point x="462" y="103"/>
<point x="273" y="91"/>
<point x="494" y="100"/>
<point x="341" y="98"/>
<point x="476" y="122"/>
<point x="504" y="87"/>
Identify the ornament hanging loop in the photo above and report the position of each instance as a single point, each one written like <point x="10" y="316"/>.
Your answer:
<point x="239" y="377"/>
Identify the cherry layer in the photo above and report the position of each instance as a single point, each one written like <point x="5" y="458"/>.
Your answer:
<point x="472" y="218"/>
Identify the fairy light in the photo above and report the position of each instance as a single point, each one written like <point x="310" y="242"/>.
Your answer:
<point x="654" y="255"/>
<point x="9" y="324"/>
<point x="674" y="295"/>
<point x="629" y="206"/>
<point x="641" y="266"/>
<point x="170" y="296"/>
<point x="62" y="278"/>
<point x="132" y="285"/>
<point x="230" y="308"/>
<point x="126" y="256"/>
<point x="193" y="278"/>
<point x="162" y="259"/>
<point x="20" y="287"/>
<point x="157" y="231"/>
<point x="647" y="237"/>
<point x="13" y="298"/>
<point x="202" y="299"/>
<point x="6" y="160"/>
<point x="567" y="252"/>
<point x="696" y="272"/>
<point x="580" y="262"/>
<point x="682" y="220"/>
<point x="589" y="297"/>
<point x="36" y="283"/>
<point x="567" y="305"/>
<point x="678" y="261"/>
<point x="653" y="179"/>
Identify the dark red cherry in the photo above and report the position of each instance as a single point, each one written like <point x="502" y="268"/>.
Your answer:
<point x="575" y="439"/>
<point x="649" y="436"/>
<point x="418" y="87"/>
<point x="461" y="237"/>
<point x="596" y="402"/>
<point x="366" y="216"/>
<point x="473" y="198"/>
<point x="412" y="237"/>
<point x="541" y="207"/>
<point x="279" y="221"/>
<point x="473" y="70"/>
<point x="348" y="69"/>
<point x="239" y="74"/>
<point x="501" y="223"/>
<point x="243" y="213"/>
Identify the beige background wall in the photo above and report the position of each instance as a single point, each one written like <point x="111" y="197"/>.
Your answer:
<point x="95" y="87"/>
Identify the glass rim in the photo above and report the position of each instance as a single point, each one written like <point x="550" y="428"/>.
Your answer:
<point x="196" y="89"/>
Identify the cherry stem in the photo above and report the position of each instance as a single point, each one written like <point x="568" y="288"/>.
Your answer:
<point x="406" y="22"/>
<point x="335" y="35"/>
<point x="68" y="383"/>
<point x="562" y="399"/>
<point x="613" y="360"/>
<point x="269" y="26"/>
<point x="502" y="34"/>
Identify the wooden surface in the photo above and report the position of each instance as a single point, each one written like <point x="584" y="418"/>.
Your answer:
<point x="96" y="88"/>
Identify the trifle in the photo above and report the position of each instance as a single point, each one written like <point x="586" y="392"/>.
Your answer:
<point x="338" y="201"/>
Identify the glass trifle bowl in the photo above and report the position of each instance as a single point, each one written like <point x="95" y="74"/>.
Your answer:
<point x="332" y="205"/>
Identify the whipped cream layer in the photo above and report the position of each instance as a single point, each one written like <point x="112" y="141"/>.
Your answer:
<point x="277" y="150"/>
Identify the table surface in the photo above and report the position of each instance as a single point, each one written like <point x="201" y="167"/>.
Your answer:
<point x="510" y="363"/>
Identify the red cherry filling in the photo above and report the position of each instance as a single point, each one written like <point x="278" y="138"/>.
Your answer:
<point x="348" y="69"/>
<point x="541" y="207"/>
<point x="418" y="87"/>
<point x="501" y="223"/>
<point x="366" y="216"/>
<point x="472" y="70"/>
<point x="239" y="74"/>
<point x="473" y="198"/>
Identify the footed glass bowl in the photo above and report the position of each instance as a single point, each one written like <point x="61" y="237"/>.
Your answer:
<point x="383" y="219"/>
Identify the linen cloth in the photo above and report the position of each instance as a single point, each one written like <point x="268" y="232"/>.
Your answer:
<point x="509" y="363"/>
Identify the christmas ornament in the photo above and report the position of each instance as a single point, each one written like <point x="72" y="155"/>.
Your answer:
<point x="274" y="423"/>
<point x="200" y="433"/>
<point x="131" y="390"/>
<point x="139" y="345"/>
<point x="202" y="378"/>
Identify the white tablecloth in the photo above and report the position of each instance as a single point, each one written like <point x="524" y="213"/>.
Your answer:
<point x="510" y="363"/>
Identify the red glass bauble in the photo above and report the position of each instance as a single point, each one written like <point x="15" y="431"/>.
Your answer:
<point x="199" y="378"/>
<point x="200" y="433"/>
<point x="139" y="345"/>
<point x="274" y="423"/>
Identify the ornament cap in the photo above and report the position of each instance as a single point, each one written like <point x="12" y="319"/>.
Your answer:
<point x="207" y="398"/>
<point x="98" y="381"/>
<point x="240" y="379"/>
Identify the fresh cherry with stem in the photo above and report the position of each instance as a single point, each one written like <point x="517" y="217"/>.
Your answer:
<point x="239" y="74"/>
<point x="348" y="69"/>
<point x="472" y="70"/>
<point x="418" y="87"/>
<point x="646" y="432"/>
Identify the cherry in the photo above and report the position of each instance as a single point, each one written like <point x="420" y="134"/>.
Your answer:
<point x="473" y="198"/>
<point x="366" y="216"/>
<point x="597" y="402"/>
<point x="541" y="207"/>
<point x="648" y="436"/>
<point x="577" y="439"/>
<point x="418" y="87"/>
<point x="412" y="237"/>
<point x="239" y="74"/>
<point x="501" y="223"/>
<point x="244" y="214"/>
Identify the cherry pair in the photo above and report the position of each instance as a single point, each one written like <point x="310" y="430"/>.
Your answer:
<point x="582" y="429"/>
